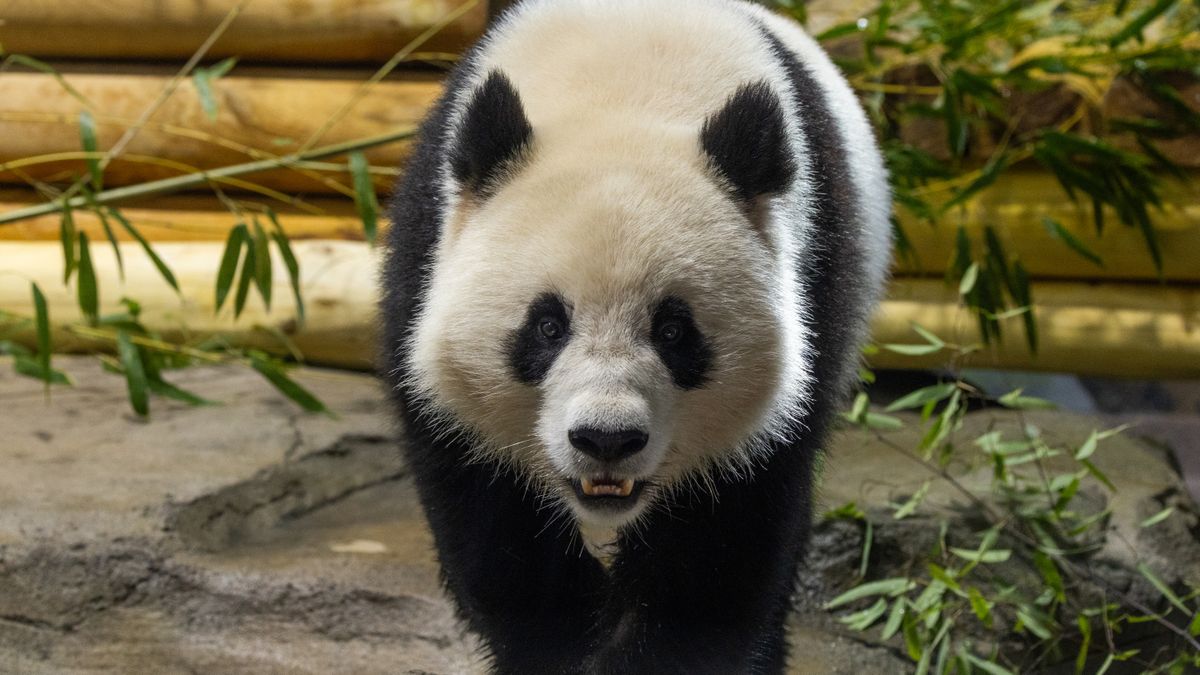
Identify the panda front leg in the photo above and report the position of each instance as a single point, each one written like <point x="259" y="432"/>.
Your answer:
<point x="705" y="586"/>
<point x="525" y="584"/>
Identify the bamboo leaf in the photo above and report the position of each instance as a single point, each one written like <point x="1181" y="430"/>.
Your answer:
<point x="364" y="195"/>
<point x="878" y="422"/>
<point x="167" y="390"/>
<point x="910" y="506"/>
<point x="1158" y="517"/>
<point x="1089" y="446"/>
<point x="1085" y="632"/>
<point x="1064" y="235"/>
<point x="42" y="320"/>
<point x="861" y="401"/>
<point x="889" y="587"/>
<point x="863" y="619"/>
<point x="87" y="135"/>
<point x="161" y="266"/>
<point x="990" y="667"/>
<point x="922" y="396"/>
<point x="912" y="350"/>
<point x="27" y="366"/>
<point x="66" y="234"/>
<point x="203" y="78"/>
<point x="293" y="269"/>
<point x="89" y="298"/>
<point x="968" y="279"/>
<point x="262" y="264"/>
<point x="994" y="556"/>
<point x="1015" y="400"/>
<point x="108" y="234"/>
<point x="135" y="373"/>
<point x="1098" y="474"/>
<point x="247" y="275"/>
<point x="980" y="606"/>
<point x="287" y="386"/>
<point x="229" y="260"/>
<point x="892" y="626"/>
<point x="1163" y="588"/>
<point x="1027" y="617"/>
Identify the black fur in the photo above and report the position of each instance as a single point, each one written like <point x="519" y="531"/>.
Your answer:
<point x="530" y="352"/>
<point x="688" y="356"/>
<point x="703" y="587"/>
<point x="493" y="136"/>
<point x="747" y="143"/>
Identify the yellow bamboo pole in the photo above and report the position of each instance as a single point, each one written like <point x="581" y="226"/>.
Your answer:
<point x="1016" y="206"/>
<point x="275" y="30"/>
<point x="189" y="218"/>
<point x="1147" y="330"/>
<point x="259" y="114"/>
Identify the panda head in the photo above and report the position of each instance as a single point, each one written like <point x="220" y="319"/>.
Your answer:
<point x="611" y="313"/>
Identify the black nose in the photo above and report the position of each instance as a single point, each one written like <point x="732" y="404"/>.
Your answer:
<point x="608" y="446"/>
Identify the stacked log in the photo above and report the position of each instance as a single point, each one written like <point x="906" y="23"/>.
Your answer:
<point x="259" y="113"/>
<point x="1098" y="328"/>
<point x="272" y="30"/>
<point x="1121" y="317"/>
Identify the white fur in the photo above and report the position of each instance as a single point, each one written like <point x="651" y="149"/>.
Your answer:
<point x="615" y="209"/>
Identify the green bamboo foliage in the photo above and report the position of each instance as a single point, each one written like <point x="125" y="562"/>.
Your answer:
<point x="976" y="68"/>
<point x="1012" y="589"/>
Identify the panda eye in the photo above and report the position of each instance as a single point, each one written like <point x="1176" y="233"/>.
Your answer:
<point x="550" y="328"/>
<point x="670" y="332"/>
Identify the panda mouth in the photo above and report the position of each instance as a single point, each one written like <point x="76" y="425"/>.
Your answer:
<point x="607" y="490"/>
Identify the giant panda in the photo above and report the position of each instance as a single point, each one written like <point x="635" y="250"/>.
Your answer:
<point x="629" y="273"/>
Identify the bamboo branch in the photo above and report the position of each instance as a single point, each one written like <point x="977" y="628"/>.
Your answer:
<point x="178" y="183"/>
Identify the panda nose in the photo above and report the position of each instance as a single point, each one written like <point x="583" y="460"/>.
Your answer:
<point x="608" y="446"/>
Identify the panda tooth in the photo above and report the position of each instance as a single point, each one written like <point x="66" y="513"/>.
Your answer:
<point x="589" y="488"/>
<point x="626" y="487"/>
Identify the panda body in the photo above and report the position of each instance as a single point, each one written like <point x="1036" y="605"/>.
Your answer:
<point x="630" y="269"/>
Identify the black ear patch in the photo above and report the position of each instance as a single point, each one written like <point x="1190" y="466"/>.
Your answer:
<point x="680" y="344"/>
<point x="492" y="137"/>
<point x="747" y="142"/>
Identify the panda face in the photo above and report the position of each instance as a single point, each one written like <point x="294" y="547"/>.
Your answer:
<point x="613" y="332"/>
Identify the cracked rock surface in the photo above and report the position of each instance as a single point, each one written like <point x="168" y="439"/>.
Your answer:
<point x="250" y="538"/>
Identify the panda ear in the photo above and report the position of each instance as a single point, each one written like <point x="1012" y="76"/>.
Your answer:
<point x="747" y="143"/>
<point x="493" y="135"/>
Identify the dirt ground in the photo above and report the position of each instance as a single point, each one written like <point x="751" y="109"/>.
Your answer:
<point x="249" y="537"/>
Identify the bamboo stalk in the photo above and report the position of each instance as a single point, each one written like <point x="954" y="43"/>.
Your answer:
<point x="260" y="114"/>
<point x="275" y="30"/>
<point x="189" y="218"/>
<point x="1016" y="206"/>
<point x="1147" y="330"/>
<point x="181" y="183"/>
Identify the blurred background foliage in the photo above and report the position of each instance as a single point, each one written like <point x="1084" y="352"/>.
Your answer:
<point x="1006" y="84"/>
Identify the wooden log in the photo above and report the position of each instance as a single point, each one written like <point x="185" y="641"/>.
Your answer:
<point x="338" y="283"/>
<point x="275" y="30"/>
<point x="1110" y="329"/>
<point x="189" y="218"/>
<point x="259" y="113"/>
<point x="1015" y="205"/>
<point x="1146" y="330"/>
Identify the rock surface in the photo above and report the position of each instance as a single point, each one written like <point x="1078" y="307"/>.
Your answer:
<point x="250" y="537"/>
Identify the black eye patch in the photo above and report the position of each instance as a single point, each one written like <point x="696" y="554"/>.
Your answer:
<point x="680" y="344"/>
<point x="534" y="346"/>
